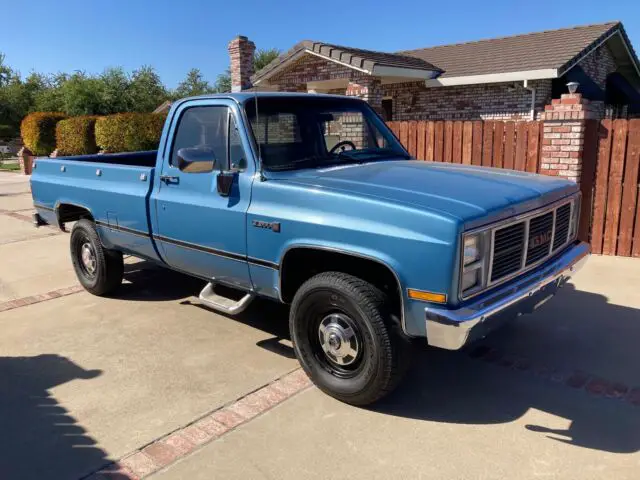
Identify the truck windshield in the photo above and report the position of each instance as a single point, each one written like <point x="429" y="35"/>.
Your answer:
<point x="315" y="132"/>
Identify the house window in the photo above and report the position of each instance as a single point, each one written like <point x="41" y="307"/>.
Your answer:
<point x="387" y="109"/>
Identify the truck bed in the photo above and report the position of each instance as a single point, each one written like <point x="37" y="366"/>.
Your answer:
<point x="135" y="159"/>
<point x="113" y="189"/>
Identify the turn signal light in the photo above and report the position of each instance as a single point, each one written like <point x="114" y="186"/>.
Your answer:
<point x="427" y="296"/>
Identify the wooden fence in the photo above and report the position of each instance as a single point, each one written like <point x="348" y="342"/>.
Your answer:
<point x="615" y="219"/>
<point x="513" y="145"/>
<point x="609" y="181"/>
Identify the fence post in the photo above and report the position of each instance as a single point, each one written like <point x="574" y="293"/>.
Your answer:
<point x="564" y="135"/>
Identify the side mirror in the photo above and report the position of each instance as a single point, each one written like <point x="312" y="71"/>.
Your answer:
<point x="196" y="159"/>
<point x="224" y="182"/>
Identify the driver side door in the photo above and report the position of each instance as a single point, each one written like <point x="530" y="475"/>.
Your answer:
<point x="200" y="231"/>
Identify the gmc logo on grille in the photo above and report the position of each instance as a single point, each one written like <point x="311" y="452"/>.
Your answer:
<point x="540" y="239"/>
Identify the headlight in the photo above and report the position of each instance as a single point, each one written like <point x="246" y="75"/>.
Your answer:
<point x="475" y="252"/>
<point x="469" y="279"/>
<point x="471" y="249"/>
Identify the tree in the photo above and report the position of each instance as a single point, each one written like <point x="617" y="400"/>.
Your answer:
<point x="146" y="91"/>
<point x="262" y="58"/>
<point x="116" y="95"/>
<point x="194" y="84"/>
<point x="82" y="95"/>
<point x="5" y="71"/>
<point x="223" y="82"/>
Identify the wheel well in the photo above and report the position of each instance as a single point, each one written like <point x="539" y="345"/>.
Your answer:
<point x="68" y="212"/>
<point x="300" y="264"/>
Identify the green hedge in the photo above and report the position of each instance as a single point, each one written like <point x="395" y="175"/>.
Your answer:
<point x="76" y="136"/>
<point x="38" y="131"/>
<point x="129" y="132"/>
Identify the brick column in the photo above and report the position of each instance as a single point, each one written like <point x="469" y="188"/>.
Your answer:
<point x="564" y="133"/>
<point x="368" y="89"/>
<point x="241" y="51"/>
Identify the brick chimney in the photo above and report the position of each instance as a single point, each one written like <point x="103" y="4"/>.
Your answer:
<point x="241" y="52"/>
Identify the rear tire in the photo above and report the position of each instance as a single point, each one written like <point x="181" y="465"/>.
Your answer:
<point x="346" y="338"/>
<point x="99" y="270"/>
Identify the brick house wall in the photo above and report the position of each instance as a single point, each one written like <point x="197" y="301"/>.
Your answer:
<point x="496" y="101"/>
<point x="311" y="69"/>
<point x="599" y="65"/>
<point x="414" y="101"/>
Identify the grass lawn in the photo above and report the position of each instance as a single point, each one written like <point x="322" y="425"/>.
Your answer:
<point x="9" y="166"/>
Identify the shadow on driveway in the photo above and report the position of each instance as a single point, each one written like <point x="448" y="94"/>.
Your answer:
<point x="40" y="439"/>
<point x="576" y="326"/>
<point x="576" y="330"/>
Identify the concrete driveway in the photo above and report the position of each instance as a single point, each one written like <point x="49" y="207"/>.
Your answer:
<point x="150" y="383"/>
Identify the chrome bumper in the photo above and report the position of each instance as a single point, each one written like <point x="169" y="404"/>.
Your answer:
<point x="452" y="329"/>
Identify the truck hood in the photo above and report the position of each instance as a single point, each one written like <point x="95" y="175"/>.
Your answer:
<point x="473" y="195"/>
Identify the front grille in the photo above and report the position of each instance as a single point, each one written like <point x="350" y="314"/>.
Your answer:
<point x="563" y="219"/>
<point x="508" y="245"/>
<point x="540" y="230"/>
<point x="540" y="235"/>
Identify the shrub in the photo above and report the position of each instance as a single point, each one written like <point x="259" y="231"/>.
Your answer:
<point x="7" y="132"/>
<point x="76" y="136"/>
<point x="38" y="131"/>
<point x="129" y="132"/>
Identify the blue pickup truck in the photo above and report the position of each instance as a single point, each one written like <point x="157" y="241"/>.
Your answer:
<point x="310" y="200"/>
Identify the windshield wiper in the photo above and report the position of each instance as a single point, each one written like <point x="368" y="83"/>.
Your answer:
<point x="379" y="153"/>
<point x="302" y="161"/>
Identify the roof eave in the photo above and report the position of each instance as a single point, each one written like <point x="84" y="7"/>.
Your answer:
<point x="541" y="74"/>
<point x="377" y="70"/>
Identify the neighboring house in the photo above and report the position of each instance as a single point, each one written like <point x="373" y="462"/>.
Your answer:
<point x="10" y="147"/>
<point x="503" y="78"/>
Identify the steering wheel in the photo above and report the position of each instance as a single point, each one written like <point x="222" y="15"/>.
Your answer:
<point x="341" y="145"/>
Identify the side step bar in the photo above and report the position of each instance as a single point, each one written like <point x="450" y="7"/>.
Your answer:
<point x="224" y="304"/>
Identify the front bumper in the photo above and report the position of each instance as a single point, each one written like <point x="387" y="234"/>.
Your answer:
<point x="453" y="329"/>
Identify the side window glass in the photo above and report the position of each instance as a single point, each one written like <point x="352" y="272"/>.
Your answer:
<point x="237" y="157"/>
<point x="201" y="138"/>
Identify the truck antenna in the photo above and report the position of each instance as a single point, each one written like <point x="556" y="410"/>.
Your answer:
<point x="261" y="172"/>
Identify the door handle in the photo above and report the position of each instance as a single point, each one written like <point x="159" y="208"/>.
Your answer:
<point x="169" y="179"/>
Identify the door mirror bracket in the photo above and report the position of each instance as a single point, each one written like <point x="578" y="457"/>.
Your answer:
<point x="224" y="182"/>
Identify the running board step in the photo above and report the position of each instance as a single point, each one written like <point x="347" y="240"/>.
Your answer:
<point x="227" y="305"/>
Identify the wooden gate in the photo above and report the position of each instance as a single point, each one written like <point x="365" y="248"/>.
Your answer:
<point x="513" y="145"/>
<point x="615" y="219"/>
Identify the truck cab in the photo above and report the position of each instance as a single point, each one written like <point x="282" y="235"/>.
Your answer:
<point x="310" y="200"/>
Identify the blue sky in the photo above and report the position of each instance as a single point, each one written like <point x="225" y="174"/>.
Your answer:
<point x="176" y="35"/>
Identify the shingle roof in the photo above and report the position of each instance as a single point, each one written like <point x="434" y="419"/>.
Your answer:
<point x="533" y="51"/>
<point x="356" y="57"/>
<point x="551" y="49"/>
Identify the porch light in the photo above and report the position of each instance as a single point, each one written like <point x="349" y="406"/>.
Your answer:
<point x="573" y="87"/>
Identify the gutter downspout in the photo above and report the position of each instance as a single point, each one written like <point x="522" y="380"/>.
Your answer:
<point x="525" y="84"/>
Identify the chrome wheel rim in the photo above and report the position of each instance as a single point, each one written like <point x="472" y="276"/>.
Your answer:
<point x="338" y="339"/>
<point x="88" y="257"/>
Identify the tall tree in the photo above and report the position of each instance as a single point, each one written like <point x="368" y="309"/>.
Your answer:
<point x="262" y="58"/>
<point x="116" y="94"/>
<point x="146" y="90"/>
<point x="194" y="84"/>
<point x="5" y="71"/>
<point x="82" y="95"/>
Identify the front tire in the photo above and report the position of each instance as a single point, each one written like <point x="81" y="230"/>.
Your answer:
<point x="99" y="270"/>
<point x="347" y="339"/>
